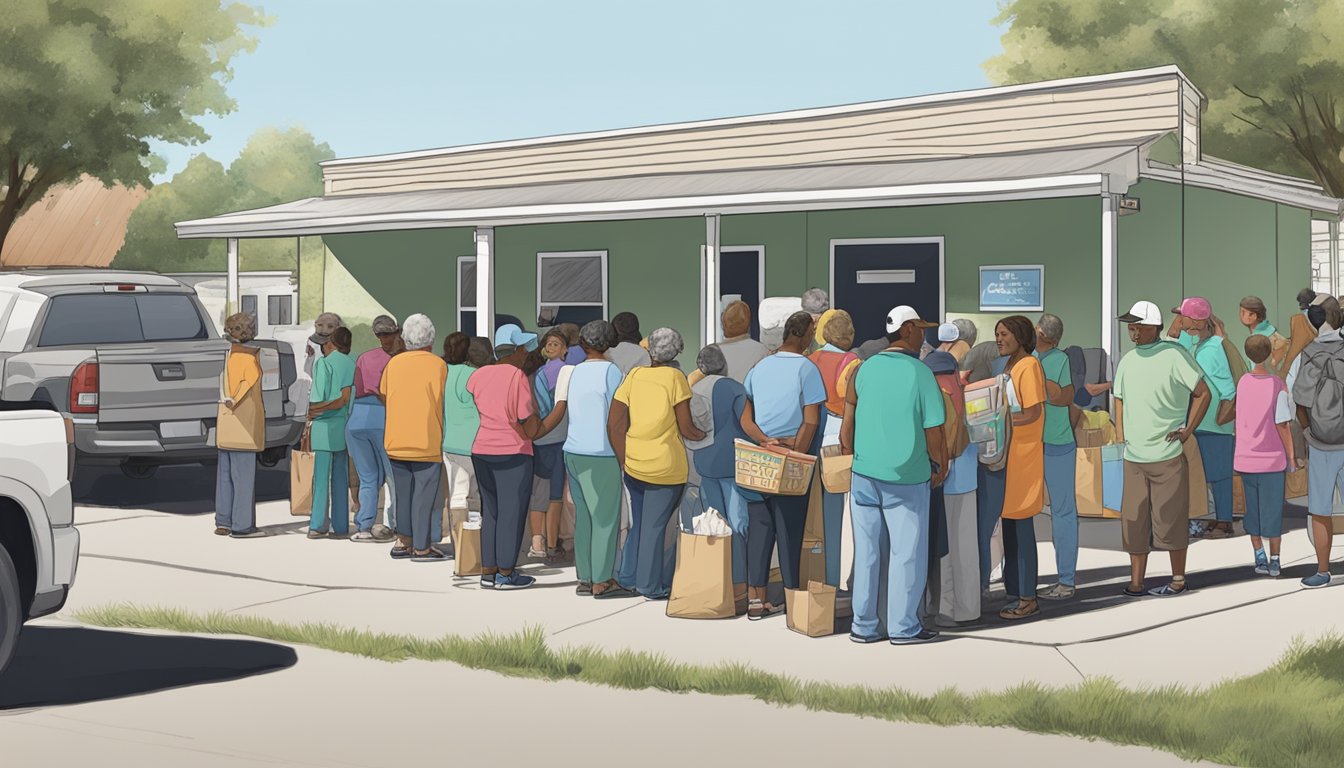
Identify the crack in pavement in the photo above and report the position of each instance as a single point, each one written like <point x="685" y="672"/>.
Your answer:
<point x="213" y="572"/>
<point x="1060" y="651"/>
<point x="599" y="618"/>
<point x="277" y="600"/>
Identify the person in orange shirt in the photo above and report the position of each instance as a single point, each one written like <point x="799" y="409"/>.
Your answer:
<point x="837" y="366"/>
<point x="240" y="432"/>
<point x="1024" y="492"/>
<point x="412" y="388"/>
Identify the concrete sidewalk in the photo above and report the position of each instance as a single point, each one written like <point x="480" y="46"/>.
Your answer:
<point x="1230" y="617"/>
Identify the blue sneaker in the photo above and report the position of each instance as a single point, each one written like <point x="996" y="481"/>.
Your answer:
<point x="1274" y="569"/>
<point x="1261" y="563"/>
<point x="1316" y="581"/>
<point x="515" y="580"/>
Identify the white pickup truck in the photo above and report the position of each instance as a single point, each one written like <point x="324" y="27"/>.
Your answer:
<point x="39" y="545"/>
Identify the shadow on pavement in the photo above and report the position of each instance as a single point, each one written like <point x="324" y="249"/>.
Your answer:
<point x="75" y="665"/>
<point x="184" y="490"/>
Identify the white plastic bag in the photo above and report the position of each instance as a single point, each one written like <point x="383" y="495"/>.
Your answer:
<point x="711" y="523"/>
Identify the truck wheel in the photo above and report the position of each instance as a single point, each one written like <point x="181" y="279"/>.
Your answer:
<point x="272" y="456"/>
<point x="11" y="609"/>
<point x="138" y="471"/>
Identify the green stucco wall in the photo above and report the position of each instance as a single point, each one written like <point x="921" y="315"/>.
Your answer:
<point x="1234" y="246"/>
<point x="1064" y="235"/>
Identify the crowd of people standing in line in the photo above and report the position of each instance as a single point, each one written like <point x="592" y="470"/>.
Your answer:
<point x="605" y="416"/>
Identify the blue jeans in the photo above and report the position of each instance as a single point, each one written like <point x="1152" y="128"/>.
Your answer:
<point x="1061" y="463"/>
<point x="989" y="492"/>
<point x="653" y="506"/>
<point x="364" y="441"/>
<point x="722" y="494"/>
<point x="902" y="513"/>
<point x="236" y="491"/>
<point x="833" y="527"/>
<point x="331" y="482"/>
<point x="1215" y="451"/>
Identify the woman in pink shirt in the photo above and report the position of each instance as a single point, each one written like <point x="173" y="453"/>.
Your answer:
<point x="1264" y="452"/>
<point x="364" y="430"/>
<point x="502" y="455"/>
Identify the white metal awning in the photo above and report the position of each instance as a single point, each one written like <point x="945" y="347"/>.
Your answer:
<point x="1074" y="172"/>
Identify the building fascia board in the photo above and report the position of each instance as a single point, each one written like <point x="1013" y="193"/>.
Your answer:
<point x="1136" y="76"/>
<point x="260" y="224"/>
<point x="1210" y="177"/>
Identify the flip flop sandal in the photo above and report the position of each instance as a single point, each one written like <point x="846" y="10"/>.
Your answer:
<point x="1024" y="609"/>
<point x="584" y="588"/>
<point x="1131" y="593"/>
<point x="755" y="609"/>
<point x="400" y="553"/>
<point x="1166" y="590"/>
<point x="611" y="593"/>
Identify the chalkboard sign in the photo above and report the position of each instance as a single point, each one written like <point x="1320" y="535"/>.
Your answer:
<point x="1015" y="288"/>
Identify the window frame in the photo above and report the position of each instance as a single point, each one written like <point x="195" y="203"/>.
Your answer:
<point x="462" y="262"/>
<point x="606" y="279"/>
<point x="287" y="302"/>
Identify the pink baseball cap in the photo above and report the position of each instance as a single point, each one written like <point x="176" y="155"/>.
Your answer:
<point x="1194" y="308"/>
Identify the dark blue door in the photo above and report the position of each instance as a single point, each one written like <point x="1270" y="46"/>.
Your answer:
<point x="740" y="273"/>
<point x="871" y="278"/>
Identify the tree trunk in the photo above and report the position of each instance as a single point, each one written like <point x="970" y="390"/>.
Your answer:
<point x="8" y="215"/>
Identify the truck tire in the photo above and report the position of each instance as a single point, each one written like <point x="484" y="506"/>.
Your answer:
<point x="272" y="456"/>
<point x="137" y="471"/>
<point x="11" y="609"/>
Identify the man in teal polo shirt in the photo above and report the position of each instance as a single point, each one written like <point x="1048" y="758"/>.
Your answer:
<point x="893" y="427"/>
<point x="1061" y="455"/>
<point x="328" y="411"/>
<point x="1193" y="330"/>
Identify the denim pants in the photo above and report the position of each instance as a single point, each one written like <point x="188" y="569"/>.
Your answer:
<point x="417" y="485"/>
<point x="236" y="491"/>
<point x="653" y="506"/>
<point x="1061" y="463"/>
<point x="723" y="494"/>
<point x="989" y="493"/>
<point x="1264" y="503"/>
<point x="776" y="523"/>
<point x="364" y="441"/>
<point x="1019" y="558"/>
<point x="331" y="487"/>
<point x="505" y="483"/>
<point x="1215" y="452"/>
<point x="832" y="507"/>
<point x="901" y="514"/>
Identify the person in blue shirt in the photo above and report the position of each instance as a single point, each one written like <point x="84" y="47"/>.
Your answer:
<point x="784" y="396"/>
<point x="717" y="404"/>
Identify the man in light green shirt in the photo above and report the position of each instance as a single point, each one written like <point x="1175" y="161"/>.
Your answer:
<point x="328" y="412"/>
<point x="1160" y="395"/>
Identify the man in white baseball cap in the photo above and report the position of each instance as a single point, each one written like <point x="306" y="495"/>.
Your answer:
<point x="899" y="455"/>
<point x="1160" y="396"/>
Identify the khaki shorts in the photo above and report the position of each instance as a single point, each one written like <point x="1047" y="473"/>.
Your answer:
<point x="1155" y="508"/>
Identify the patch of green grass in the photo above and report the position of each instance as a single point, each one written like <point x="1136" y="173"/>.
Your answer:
<point x="1289" y="716"/>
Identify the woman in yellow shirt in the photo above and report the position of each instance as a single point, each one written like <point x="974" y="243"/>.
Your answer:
<point x="649" y="417"/>
<point x="1024" y="492"/>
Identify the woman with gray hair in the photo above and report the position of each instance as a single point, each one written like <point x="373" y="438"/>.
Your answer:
<point x="650" y="416"/>
<point x="585" y="391"/>
<point x="240" y="432"/>
<point x="717" y="404"/>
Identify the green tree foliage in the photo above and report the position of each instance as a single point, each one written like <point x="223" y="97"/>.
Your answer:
<point x="85" y="83"/>
<point x="276" y="166"/>
<point x="1273" y="70"/>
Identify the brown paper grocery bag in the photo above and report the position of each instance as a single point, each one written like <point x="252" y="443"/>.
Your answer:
<point x="814" y="527"/>
<point x="811" y="611"/>
<point x="812" y="565"/>
<point x="466" y="550"/>
<point x="1295" y="484"/>
<point x="1199" y="487"/>
<point x="702" y="585"/>
<point x="1087" y="483"/>
<point x="301" y="470"/>
<point x="1238" y="496"/>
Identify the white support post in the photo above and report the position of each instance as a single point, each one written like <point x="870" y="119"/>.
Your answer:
<point x="231" y="283"/>
<point x="1110" y="329"/>
<point x="485" y="282"/>
<point x="1335" y="261"/>
<point x="710" y="323"/>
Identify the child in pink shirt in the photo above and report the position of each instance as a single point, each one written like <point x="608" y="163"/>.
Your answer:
<point x="1264" y="452"/>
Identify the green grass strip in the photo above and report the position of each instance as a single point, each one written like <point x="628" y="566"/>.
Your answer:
<point x="1288" y="716"/>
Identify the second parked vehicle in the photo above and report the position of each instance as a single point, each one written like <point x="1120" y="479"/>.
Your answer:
<point x="132" y="359"/>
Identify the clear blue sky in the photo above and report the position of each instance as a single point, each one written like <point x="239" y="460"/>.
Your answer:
<point x="400" y="75"/>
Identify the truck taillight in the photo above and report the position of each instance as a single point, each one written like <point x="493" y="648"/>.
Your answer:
<point x="69" y="432"/>
<point x="84" y="389"/>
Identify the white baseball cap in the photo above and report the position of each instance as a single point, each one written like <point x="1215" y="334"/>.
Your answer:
<point x="948" y="332"/>
<point x="903" y="314"/>
<point x="1143" y="313"/>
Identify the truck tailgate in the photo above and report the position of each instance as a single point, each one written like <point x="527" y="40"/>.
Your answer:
<point x="166" y="381"/>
